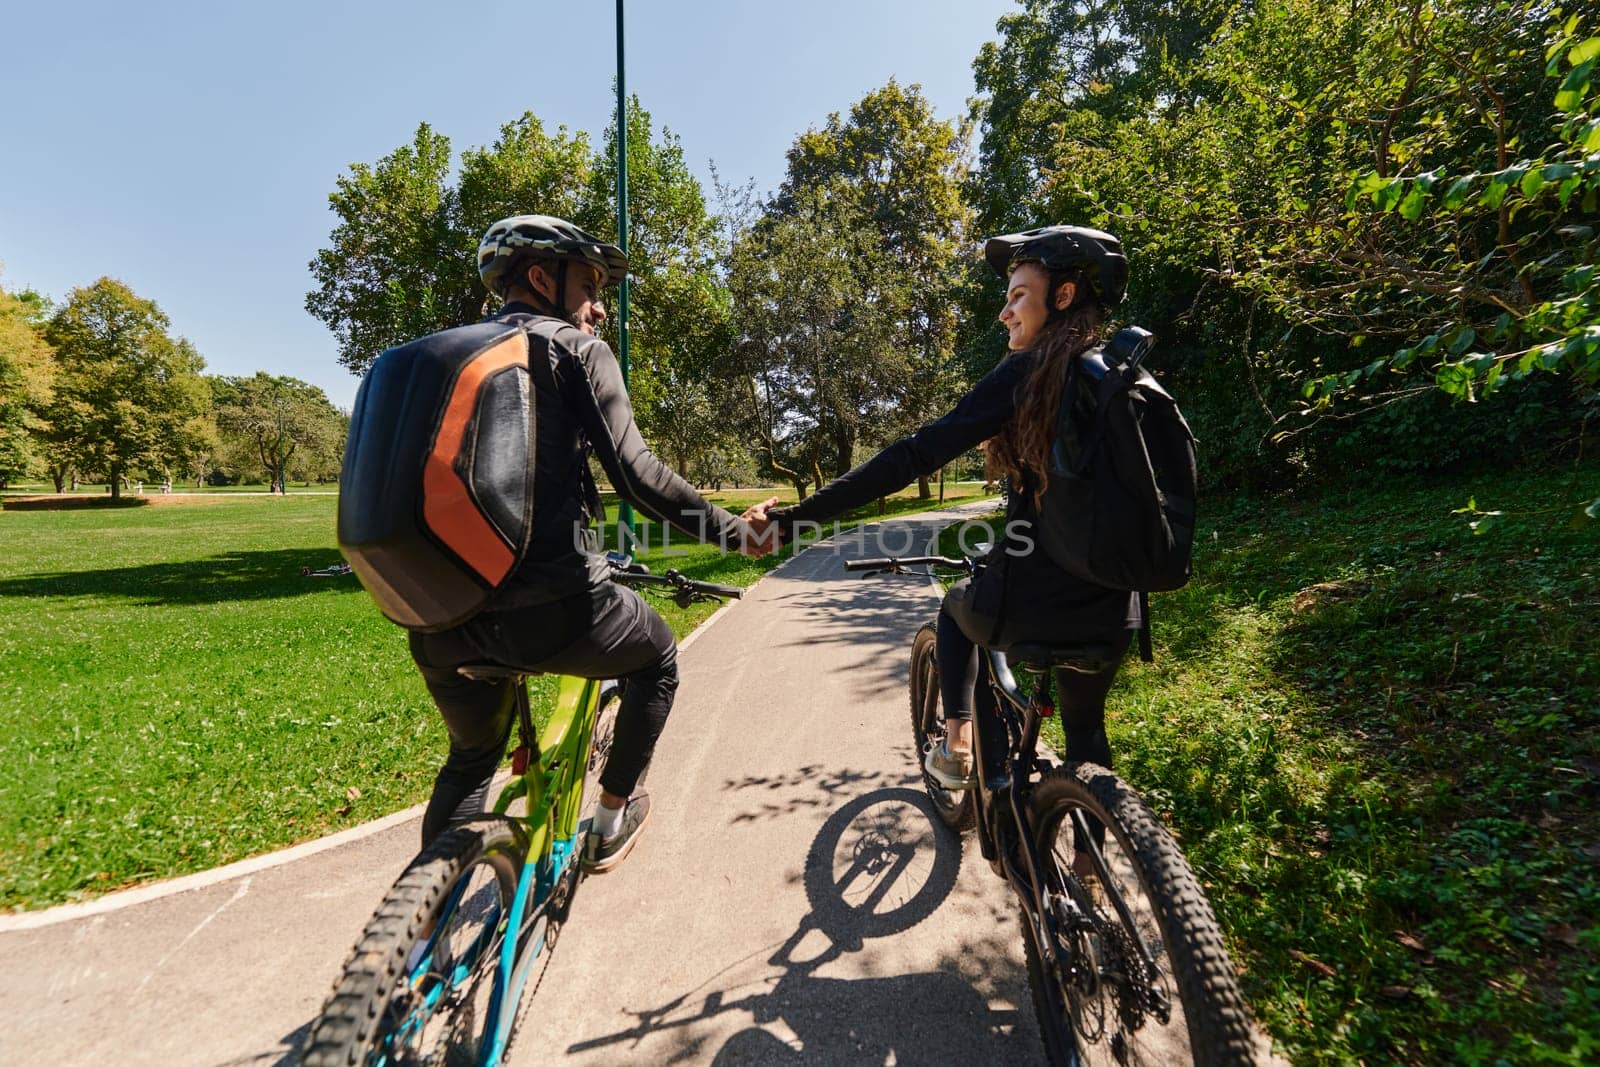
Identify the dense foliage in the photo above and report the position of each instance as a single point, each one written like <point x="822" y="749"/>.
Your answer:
<point x="1332" y="210"/>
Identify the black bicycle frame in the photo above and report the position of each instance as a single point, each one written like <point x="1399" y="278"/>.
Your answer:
<point x="1012" y="722"/>
<point x="1008" y="726"/>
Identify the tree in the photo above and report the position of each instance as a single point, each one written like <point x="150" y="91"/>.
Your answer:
<point x="391" y="273"/>
<point x="843" y="287"/>
<point x="1242" y="169"/>
<point x="27" y="372"/>
<point x="126" y="392"/>
<point x="402" y="260"/>
<point x="679" y="331"/>
<point x="1528" y="295"/>
<point x="816" y="353"/>
<point x="206" y="446"/>
<point x="285" y="422"/>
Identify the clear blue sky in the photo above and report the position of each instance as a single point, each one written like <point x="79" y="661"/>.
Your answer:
<point x="188" y="149"/>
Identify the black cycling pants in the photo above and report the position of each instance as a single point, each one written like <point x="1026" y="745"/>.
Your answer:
<point x="1080" y="698"/>
<point x="607" y="632"/>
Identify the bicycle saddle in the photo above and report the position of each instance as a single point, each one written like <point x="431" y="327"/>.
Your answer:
<point x="492" y="672"/>
<point x="1085" y="659"/>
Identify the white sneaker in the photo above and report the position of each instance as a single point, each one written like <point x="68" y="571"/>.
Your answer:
<point x="952" y="770"/>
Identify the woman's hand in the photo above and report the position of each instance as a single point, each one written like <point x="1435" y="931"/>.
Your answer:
<point x="766" y="537"/>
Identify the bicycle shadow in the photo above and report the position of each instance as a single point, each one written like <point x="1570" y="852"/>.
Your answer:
<point x="879" y="866"/>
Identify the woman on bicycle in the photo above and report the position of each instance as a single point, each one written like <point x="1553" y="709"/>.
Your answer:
<point x="1060" y="283"/>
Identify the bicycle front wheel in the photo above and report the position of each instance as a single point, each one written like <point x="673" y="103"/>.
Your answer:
<point x="955" y="807"/>
<point x="417" y="986"/>
<point x="1151" y="986"/>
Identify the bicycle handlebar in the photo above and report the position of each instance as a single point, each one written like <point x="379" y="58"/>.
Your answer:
<point x="899" y="563"/>
<point x="682" y="587"/>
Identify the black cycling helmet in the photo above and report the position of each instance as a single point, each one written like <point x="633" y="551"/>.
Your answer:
<point x="511" y="243"/>
<point x="1062" y="248"/>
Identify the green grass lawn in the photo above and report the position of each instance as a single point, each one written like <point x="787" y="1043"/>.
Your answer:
<point x="1378" y="738"/>
<point x="174" y="695"/>
<point x="153" y="489"/>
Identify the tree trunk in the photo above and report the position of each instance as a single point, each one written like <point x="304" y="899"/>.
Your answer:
<point x="924" y="491"/>
<point x="58" y="474"/>
<point x="800" y="487"/>
<point x="116" y="483"/>
<point x="844" y="451"/>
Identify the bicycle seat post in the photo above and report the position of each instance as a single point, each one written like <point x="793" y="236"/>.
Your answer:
<point x="527" y="751"/>
<point x="993" y="736"/>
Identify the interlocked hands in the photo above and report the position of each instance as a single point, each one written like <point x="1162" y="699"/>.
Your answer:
<point x="765" y="536"/>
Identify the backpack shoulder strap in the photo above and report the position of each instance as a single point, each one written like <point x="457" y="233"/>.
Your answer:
<point x="541" y="331"/>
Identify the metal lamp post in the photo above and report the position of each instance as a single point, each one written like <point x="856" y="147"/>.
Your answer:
<point x="624" y="510"/>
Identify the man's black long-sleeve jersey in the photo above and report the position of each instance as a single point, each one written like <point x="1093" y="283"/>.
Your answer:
<point x="591" y="411"/>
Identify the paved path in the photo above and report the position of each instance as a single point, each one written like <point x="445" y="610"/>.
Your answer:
<point x="792" y="900"/>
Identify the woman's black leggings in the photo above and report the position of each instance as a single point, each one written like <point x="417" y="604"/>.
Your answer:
<point x="1080" y="698"/>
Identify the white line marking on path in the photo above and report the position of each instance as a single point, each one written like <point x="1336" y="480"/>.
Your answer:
<point x="244" y="887"/>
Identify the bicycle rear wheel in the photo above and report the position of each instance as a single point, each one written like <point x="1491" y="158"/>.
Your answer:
<point x="600" y="742"/>
<point x="1098" y="997"/>
<point x="400" y="1004"/>
<point x="955" y="807"/>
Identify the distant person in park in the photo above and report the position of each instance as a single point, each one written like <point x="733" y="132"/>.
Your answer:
<point x="559" y="612"/>
<point x="1060" y="283"/>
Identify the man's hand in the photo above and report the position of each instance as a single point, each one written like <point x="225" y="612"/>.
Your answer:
<point x="766" y="536"/>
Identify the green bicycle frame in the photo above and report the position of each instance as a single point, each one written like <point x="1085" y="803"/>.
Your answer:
<point x="558" y="776"/>
<point x="553" y="789"/>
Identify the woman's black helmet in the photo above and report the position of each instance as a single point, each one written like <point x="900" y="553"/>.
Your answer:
<point x="1060" y="248"/>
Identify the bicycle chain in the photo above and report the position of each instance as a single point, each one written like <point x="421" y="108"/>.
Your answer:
<point x="1138" y="978"/>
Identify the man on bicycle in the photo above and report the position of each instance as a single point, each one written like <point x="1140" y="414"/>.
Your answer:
<point x="559" y="612"/>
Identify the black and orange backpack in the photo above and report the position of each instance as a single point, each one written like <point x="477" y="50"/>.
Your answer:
<point x="436" y="492"/>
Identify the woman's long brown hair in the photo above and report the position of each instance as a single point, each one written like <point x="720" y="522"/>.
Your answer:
<point x="1024" y="445"/>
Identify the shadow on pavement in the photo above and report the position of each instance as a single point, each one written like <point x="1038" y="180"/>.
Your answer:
<point x="809" y="788"/>
<point x="286" y="1054"/>
<point x="872" y="616"/>
<point x="880" y="865"/>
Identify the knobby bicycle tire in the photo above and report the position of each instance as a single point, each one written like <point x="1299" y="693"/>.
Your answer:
<point x="1184" y="940"/>
<point x="355" y="1018"/>
<point x="955" y="808"/>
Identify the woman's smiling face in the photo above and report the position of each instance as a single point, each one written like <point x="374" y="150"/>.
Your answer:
<point x="1027" y="304"/>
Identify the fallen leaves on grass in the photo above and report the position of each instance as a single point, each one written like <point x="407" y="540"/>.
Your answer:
<point x="1411" y="942"/>
<point x="1328" y="593"/>
<point x="1315" y="964"/>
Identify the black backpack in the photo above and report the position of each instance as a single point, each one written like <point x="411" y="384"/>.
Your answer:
<point x="436" y="494"/>
<point x="1118" y="510"/>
